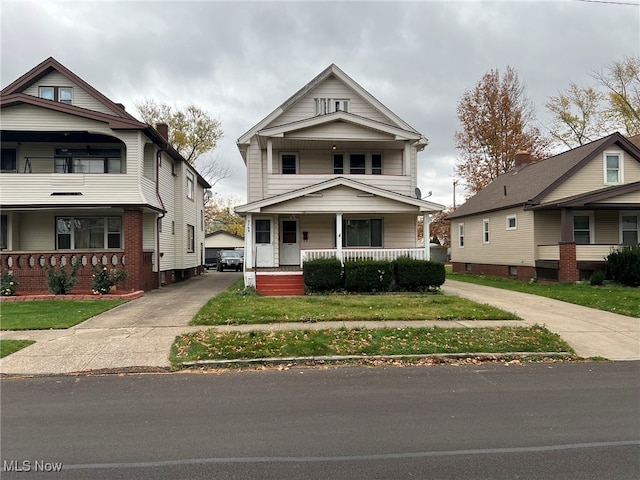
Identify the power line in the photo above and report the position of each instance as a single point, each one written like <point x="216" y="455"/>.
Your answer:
<point x="610" y="2"/>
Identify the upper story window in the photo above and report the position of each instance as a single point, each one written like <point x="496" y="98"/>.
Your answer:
<point x="330" y="105"/>
<point x="376" y="164"/>
<point x="613" y="167"/>
<point x="289" y="163"/>
<point x="357" y="163"/>
<point x="57" y="94"/>
<point x="9" y="160"/>
<point x="190" y="186"/>
<point x="461" y="235"/>
<point x="512" y="222"/>
<point x="191" y="239"/>
<point x="88" y="160"/>
<point x="338" y="164"/>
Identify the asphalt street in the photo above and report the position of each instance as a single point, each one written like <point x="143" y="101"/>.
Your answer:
<point x="487" y="421"/>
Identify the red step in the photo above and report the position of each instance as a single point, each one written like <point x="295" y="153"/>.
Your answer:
<point x="273" y="285"/>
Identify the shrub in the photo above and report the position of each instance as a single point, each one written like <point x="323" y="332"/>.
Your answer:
<point x="597" y="278"/>
<point x="62" y="282"/>
<point x="418" y="275"/>
<point x="8" y="284"/>
<point x="323" y="274"/>
<point x="624" y="265"/>
<point x="104" y="279"/>
<point x="368" y="275"/>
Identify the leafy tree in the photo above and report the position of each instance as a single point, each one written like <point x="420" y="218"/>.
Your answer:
<point x="219" y="215"/>
<point x="497" y="122"/>
<point x="192" y="132"/>
<point x="440" y="228"/>
<point x="583" y="114"/>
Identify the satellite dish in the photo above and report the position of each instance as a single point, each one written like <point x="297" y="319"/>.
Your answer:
<point x="418" y="193"/>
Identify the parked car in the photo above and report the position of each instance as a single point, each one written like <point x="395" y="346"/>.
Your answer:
<point x="230" y="260"/>
<point x="211" y="262"/>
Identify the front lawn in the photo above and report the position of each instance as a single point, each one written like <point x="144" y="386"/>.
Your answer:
<point x="610" y="297"/>
<point x="40" y="315"/>
<point x="7" y="347"/>
<point x="214" y="345"/>
<point x="234" y="307"/>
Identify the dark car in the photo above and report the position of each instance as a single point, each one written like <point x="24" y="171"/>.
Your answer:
<point x="210" y="262"/>
<point x="230" y="260"/>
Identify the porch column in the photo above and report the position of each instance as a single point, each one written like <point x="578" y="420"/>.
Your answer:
<point x="406" y="165"/>
<point x="426" y="235"/>
<point x="568" y="265"/>
<point x="248" y="242"/>
<point x="339" y="237"/>
<point x="566" y="225"/>
<point x="269" y="156"/>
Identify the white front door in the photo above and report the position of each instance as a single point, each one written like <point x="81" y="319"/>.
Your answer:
<point x="289" y="243"/>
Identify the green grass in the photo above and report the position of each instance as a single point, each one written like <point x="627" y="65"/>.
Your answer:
<point x="232" y="307"/>
<point x="7" y="347"/>
<point x="47" y="314"/>
<point x="212" y="345"/>
<point x="610" y="297"/>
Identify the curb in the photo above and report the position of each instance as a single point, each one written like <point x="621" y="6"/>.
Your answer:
<point x="436" y="357"/>
<point x="111" y="296"/>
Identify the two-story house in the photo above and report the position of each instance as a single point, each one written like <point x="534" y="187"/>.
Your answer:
<point x="555" y="219"/>
<point x="83" y="180"/>
<point x="331" y="172"/>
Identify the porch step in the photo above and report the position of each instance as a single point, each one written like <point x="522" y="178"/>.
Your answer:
<point x="272" y="285"/>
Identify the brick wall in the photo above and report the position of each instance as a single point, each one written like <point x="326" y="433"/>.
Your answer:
<point x="132" y="221"/>
<point x="525" y="273"/>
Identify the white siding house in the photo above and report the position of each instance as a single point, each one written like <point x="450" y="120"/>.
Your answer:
<point x="82" y="179"/>
<point x="331" y="172"/>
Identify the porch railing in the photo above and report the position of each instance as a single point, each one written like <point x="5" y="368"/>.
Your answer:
<point x="584" y="253"/>
<point x="363" y="254"/>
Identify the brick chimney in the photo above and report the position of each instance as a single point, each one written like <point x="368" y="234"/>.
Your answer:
<point x="163" y="129"/>
<point x="121" y="105"/>
<point x="522" y="158"/>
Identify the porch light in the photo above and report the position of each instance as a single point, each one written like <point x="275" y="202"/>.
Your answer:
<point x="333" y="147"/>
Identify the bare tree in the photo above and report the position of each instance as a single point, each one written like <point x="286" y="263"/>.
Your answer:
<point x="497" y="122"/>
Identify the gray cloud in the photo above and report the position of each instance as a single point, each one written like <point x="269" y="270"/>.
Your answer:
<point x="240" y="60"/>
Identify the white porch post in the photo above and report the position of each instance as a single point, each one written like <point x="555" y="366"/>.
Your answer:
<point x="339" y="236"/>
<point x="406" y="167"/>
<point x="249" y="274"/>
<point x="426" y="235"/>
<point x="269" y="156"/>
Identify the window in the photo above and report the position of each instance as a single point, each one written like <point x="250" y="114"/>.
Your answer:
<point x="376" y="164"/>
<point x="9" y="160"/>
<point x="513" y="271"/>
<point x="338" y="164"/>
<point x="202" y="220"/>
<point x="629" y="229"/>
<point x="190" y="186"/>
<point x="4" y="236"/>
<point x="289" y="161"/>
<point x="582" y="229"/>
<point x="362" y="232"/>
<point x="191" y="238"/>
<point x="612" y="167"/>
<point x="57" y="94"/>
<point x="512" y="222"/>
<point x="485" y="231"/>
<point x="86" y="233"/>
<point x="173" y="227"/>
<point x="461" y="235"/>
<point x="88" y="160"/>
<point x="263" y="231"/>
<point x="357" y="164"/>
<point x="330" y="105"/>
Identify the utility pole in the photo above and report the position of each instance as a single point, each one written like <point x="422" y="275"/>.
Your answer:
<point x="455" y="182"/>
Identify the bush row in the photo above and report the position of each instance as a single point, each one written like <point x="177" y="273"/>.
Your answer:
<point x="403" y="274"/>
<point x="623" y="265"/>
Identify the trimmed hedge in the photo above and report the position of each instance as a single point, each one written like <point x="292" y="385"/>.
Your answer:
<point x="624" y="265"/>
<point x="418" y="275"/>
<point x="368" y="275"/>
<point x="322" y="275"/>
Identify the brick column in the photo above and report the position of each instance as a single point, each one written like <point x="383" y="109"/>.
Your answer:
<point x="568" y="268"/>
<point x="133" y="250"/>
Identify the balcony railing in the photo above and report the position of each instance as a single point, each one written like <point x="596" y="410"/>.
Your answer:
<point x="387" y="254"/>
<point x="68" y="165"/>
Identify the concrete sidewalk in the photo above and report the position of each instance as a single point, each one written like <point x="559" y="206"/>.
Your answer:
<point x="140" y="333"/>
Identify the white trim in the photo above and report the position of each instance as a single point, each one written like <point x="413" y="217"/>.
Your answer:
<point x="620" y="156"/>
<point x="509" y="217"/>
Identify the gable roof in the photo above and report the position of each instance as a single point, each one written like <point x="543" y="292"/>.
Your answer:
<point x="13" y="95"/>
<point x="256" y="206"/>
<point x="529" y="184"/>
<point x="331" y="70"/>
<point x="225" y="233"/>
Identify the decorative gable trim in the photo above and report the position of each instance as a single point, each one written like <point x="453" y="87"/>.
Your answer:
<point x="589" y="197"/>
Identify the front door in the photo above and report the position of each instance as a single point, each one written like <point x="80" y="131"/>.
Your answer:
<point x="289" y="243"/>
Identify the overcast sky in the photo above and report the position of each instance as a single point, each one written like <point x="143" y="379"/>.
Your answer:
<point x="241" y="60"/>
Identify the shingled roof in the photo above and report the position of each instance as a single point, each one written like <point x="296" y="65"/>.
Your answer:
<point x="527" y="185"/>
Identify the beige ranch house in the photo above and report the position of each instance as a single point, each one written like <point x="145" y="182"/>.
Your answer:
<point x="331" y="172"/>
<point x="555" y="219"/>
<point x="83" y="180"/>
